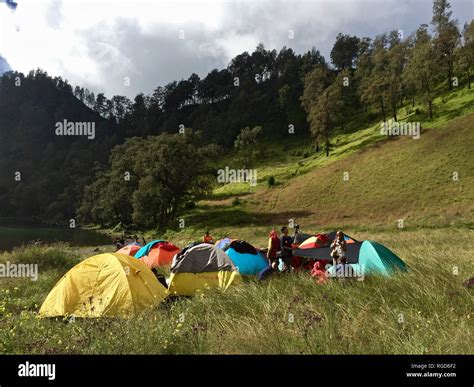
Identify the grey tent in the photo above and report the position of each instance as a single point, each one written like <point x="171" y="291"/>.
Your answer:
<point x="201" y="267"/>
<point x="201" y="258"/>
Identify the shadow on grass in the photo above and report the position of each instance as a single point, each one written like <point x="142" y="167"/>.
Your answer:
<point x="225" y="217"/>
<point x="226" y="195"/>
<point x="455" y="112"/>
<point x="361" y="145"/>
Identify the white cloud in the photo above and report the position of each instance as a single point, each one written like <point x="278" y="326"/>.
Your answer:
<point x="98" y="43"/>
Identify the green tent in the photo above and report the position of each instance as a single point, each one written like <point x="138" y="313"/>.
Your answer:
<point x="370" y="257"/>
<point x="377" y="259"/>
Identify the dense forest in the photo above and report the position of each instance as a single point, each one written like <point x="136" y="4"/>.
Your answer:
<point x="152" y="156"/>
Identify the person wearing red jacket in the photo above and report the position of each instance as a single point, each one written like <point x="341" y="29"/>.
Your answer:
<point x="274" y="246"/>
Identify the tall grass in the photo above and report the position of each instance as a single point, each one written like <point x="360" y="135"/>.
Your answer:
<point x="426" y="310"/>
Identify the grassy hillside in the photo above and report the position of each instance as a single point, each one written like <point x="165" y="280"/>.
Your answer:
<point x="388" y="179"/>
<point x="400" y="178"/>
<point x="296" y="156"/>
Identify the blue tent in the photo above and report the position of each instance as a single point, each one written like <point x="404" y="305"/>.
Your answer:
<point x="246" y="258"/>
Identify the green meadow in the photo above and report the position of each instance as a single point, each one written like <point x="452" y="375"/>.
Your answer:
<point x="425" y="311"/>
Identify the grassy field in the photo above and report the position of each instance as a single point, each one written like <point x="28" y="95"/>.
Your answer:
<point x="427" y="310"/>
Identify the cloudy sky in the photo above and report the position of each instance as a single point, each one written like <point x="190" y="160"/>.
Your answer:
<point x="97" y="44"/>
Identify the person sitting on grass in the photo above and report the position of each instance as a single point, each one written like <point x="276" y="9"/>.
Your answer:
<point x="319" y="272"/>
<point x="268" y="271"/>
<point x="207" y="238"/>
<point x="338" y="249"/>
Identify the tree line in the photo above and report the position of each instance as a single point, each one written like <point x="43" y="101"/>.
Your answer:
<point x="375" y="78"/>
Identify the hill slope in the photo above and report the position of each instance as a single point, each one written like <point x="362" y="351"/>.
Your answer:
<point x="401" y="178"/>
<point x="53" y="168"/>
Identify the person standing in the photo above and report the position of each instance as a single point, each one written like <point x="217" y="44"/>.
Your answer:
<point x="207" y="238"/>
<point x="338" y="249"/>
<point x="273" y="246"/>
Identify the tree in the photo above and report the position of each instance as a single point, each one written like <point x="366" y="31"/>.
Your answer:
<point x="465" y="53"/>
<point x="327" y="113"/>
<point x="323" y="100"/>
<point x="374" y="86"/>
<point x="246" y="144"/>
<point x="344" y="51"/>
<point x="172" y="170"/>
<point x="194" y="81"/>
<point x="121" y="106"/>
<point x="421" y="66"/>
<point x="396" y="56"/>
<point x="310" y="60"/>
<point x="446" y="38"/>
<point x="100" y="105"/>
<point x="363" y="69"/>
<point x="90" y="99"/>
<point x="138" y="116"/>
<point x="148" y="181"/>
<point x="314" y="84"/>
<point x="79" y="93"/>
<point x="215" y="87"/>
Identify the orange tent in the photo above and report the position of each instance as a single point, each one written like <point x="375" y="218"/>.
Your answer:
<point x="161" y="254"/>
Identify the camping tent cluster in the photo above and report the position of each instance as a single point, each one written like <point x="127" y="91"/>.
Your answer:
<point x="369" y="256"/>
<point x="123" y="283"/>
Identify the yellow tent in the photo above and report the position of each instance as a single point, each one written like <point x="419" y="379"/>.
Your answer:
<point x="104" y="285"/>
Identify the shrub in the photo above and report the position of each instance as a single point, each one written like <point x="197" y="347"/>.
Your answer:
<point x="190" y="205"/>
<point x="236" y="202"/>
<point x="271" y="181"/>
